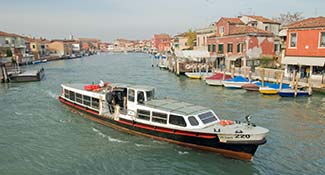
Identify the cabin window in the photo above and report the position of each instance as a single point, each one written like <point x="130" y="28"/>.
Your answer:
<point x="143" y="114"/>
<point x="95" y="103"/>
<point x="131" y="95"/>
<point x="86" y="100"/>
<point x="150" y="95"/>
<point x="72" y="96"/>
<point x="159" y="117"/>
<point x="177" y="120"/>
<point x="78" y="98"/>
<point x="229" y="47"/>
<point x="193" y="121"/>
<point x="322" y="39"/>
<point x="140" y="97"/>
<point x="293" y="39"/>
<point x="207" y="117"/>
<point x="66" y="93"/>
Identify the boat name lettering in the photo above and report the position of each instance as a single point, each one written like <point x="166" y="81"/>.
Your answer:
<point x="243" y="136"/>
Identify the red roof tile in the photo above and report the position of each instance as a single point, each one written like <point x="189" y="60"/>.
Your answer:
<point x="8" y="34"/>
<point x="232" y="20"/>
<point x="309" y="23"/>
<point x="263" y="19"/>
<point x="248" y="29"/>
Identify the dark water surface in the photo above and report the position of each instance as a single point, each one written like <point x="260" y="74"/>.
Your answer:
<point x="38" y="135"/>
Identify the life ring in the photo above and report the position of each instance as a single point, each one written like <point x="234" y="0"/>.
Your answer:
<point x="226" y="122"/>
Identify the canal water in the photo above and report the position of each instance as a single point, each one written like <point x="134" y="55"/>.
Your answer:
<point x="38" y="135"/>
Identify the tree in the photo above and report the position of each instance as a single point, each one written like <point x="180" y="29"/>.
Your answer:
<point x="191" y="37"/>
<point x="9" y="53"/>
<point x="288" y="18"/>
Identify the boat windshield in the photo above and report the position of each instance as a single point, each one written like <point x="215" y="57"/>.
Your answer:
<point x="150" y="95"/>
<point x="207" y="117"/>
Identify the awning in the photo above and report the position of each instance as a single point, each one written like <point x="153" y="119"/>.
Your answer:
<point x="234" y="57"/>
<point x="308" y="61"/>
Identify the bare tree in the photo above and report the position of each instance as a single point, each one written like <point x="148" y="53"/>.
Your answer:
<point x="288" y="18"/>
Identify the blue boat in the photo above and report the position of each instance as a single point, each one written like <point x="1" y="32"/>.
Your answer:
<point x="291" y="93"/>
<point x="236" y="82"/>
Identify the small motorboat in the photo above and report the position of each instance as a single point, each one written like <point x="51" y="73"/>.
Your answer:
<point x="198" y="75"/>
<point x="236" y="82"/>
<point x="251" y="87"/>
<point x="216" y="79"/>
<point x="256" y="86"/>
<point x="291" y="93"/>
<point x="268" y="90"/>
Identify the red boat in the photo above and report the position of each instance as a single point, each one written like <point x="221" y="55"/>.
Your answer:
<point x="216" y="79"/>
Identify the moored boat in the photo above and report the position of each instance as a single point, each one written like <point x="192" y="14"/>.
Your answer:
<point x="236" y="82"/>
<point x="198" y="75"/>
<point x="268" y="91"/>
<point x="216" y="79"/>
<point x="134" y="109"/>
<point x="291" y="93"/>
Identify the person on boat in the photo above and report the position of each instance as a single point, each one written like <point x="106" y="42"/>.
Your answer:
<point x="140" y="97"/>
<point x="110" y="100"/>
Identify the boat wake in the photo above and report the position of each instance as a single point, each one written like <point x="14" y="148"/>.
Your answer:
<point x="18" y="113"/>
<point x="141" y="145"/>
<point x="53" y="95"/>
<point x="183" y="152"/>
<point x="111" y="139"/>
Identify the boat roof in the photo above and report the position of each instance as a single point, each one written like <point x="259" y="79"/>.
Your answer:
<point x="174" y="106"/>
<point x="122" y="85"/>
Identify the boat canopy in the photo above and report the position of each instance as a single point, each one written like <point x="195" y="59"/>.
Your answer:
<point x="239" y="79"/>
<point x="174" y="106"/>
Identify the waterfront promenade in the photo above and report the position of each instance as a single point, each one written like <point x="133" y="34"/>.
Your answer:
<point x="41" y="136"/>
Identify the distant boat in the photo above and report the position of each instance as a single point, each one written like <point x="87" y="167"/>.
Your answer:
<point x="291" y="93"/>
<point x="198" y="75"/>
<point x="256" y="86"/>
<point x="216" y="79"/>
<point x="236" y="82"/>
<point x="37" y="62"/>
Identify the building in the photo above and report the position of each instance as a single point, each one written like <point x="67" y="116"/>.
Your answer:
<point x="162" y="42"/>
<point x="235" y="43"/>
<point x="179" y="42"/>
<point x="37" y="47"/>
<point x="305" y="51"/>
<point x="12" y="44"/>
<point x="202" y="36"/>
<point x="89" y="44"/>
<point x="61" y="48"/>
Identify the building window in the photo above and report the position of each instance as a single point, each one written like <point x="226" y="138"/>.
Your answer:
<point x="159" y="117"/>
<point x="229" y="47"/>
<point x="193" y="121"/>
<point x="213" y="48"/>
<point x="143" y="114"/>
<point x="221" y="30"/>
<point x="322" y="39"/>
<point x="177" y="120"/>
<point x="209" y="48"/>
<point x="7" y="41"/>
<point x="220" y="48"/>
<point x="266" y="28"/>
<point x="239" y="47"/>
<point x="293" y="39"/>
<point x="276" y="47"/>
<point x="131" y="95"/>
<point x="34" y="46"/>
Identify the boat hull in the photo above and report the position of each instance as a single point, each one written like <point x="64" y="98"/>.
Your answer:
<point x="268" y="91"/>
<point x="251" y="87"/>
<point x="292" y="94"/>
<point x="208" y="142"/>
<point x="213" y="82"/>
<point x="234" y="85"/>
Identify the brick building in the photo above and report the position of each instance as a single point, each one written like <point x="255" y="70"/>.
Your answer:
<point x="235" y="43"/>
<point x="162" y="42"/>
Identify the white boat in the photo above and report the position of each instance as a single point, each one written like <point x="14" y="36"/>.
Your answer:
<point x="198" y="75"/>
<point x="216" y="79"/>
<point x="134" y="109"/>
<point x="236" y="82"/>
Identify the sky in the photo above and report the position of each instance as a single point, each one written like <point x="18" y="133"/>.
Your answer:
<point x="134" y="19"/>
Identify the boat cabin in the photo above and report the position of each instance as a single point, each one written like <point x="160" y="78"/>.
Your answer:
<point x="138" y="103"/>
